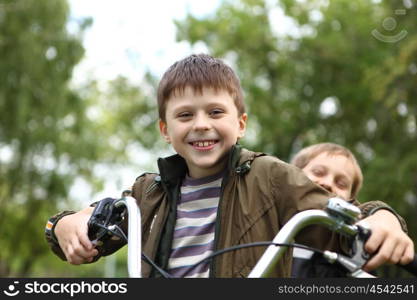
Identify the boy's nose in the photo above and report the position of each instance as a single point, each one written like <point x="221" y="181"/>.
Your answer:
<point x="201" y="122"/>
<point x="326" y="184"/>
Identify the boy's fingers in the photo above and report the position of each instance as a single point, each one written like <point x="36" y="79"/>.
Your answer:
<point x="83" y="252"/>
<point x="374" y="242"/>
<point x="383" y="255"/>
<point x="90" y="250"/>
<point x="397" y="254"/>
<point x="72" y="257"/>
<point x="85" y="241"/>
<point x="80" y="253"/>
<point x="408" y="255"/>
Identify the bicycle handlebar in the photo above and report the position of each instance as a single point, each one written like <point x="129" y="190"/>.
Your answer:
<point x="134" y="237"/>
<point x="339" y="218"/>
<point x="290" y="230"/>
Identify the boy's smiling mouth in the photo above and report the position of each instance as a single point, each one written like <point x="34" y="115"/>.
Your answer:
<point x="203" y="145"/>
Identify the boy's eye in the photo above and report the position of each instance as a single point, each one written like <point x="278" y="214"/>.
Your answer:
<point x="342" y="184"/>
<point x="216" y="112"/>
<point x="184" y="115"/>
<point x="318" y="172"/>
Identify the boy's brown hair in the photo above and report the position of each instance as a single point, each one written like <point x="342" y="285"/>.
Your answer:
<point x="199" y="71"/>
<point x="303" y="157"/>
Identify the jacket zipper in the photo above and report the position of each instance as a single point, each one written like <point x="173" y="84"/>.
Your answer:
<point x="160" y="228"/>
<point x="164" y="264"/>
<point x="217" y="226"/>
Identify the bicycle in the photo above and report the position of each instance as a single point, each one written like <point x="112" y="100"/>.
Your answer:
<point x="339" y="216"/>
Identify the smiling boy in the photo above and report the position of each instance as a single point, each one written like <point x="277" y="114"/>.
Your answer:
<point x="202" y="128"/>
<point x="336" y="169"/>
<point x="212" y="194"/>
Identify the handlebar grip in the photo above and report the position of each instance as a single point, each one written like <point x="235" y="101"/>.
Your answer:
<point x="411" y="267"/>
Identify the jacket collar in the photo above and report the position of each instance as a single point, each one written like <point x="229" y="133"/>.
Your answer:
<point x="174" y="167"/>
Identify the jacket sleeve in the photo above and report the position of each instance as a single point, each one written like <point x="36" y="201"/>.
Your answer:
<point x="50" y="236"/>
<point x="294" y="193"/>
<point x="297" y="193"/>
<point x="106" y="248"/>
<point x="371" y="207"/>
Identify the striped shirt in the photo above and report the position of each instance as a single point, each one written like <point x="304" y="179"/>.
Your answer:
<point x="194" y="229"/>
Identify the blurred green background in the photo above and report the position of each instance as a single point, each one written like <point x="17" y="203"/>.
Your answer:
<point x="345" y="73"/>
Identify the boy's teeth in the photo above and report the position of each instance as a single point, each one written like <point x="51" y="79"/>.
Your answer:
<point x="204" y="144"/>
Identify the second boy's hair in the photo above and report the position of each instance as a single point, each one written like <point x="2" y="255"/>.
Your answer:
<point x="198" y="72"/>
<point x="302" y="158"/>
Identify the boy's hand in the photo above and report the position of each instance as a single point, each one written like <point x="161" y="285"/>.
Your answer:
<point x="388" y="242"/>
<point x="72" y="234"/>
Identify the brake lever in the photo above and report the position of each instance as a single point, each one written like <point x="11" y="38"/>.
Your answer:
<point x="103" y="221"/>
<point x="358" y="257"/>
<point x="353" y="266"/>
<point x="358" y="253"/>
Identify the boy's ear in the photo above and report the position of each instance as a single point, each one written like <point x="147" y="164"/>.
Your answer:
<point x="164" y="131"/>
<point x="242" y="125"/>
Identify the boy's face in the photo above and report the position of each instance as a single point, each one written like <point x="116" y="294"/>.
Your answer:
<point x="334" y="172"/>
<point x="202" y="129"/>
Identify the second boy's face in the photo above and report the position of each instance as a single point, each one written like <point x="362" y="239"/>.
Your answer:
<point x="334" y="172"/>
<point x="202" y="129"/>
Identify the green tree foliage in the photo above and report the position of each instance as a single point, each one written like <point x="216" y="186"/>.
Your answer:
<point x="42" y="125"/>
<point x="328" y="78"/>
<point x="52" y="133"/>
